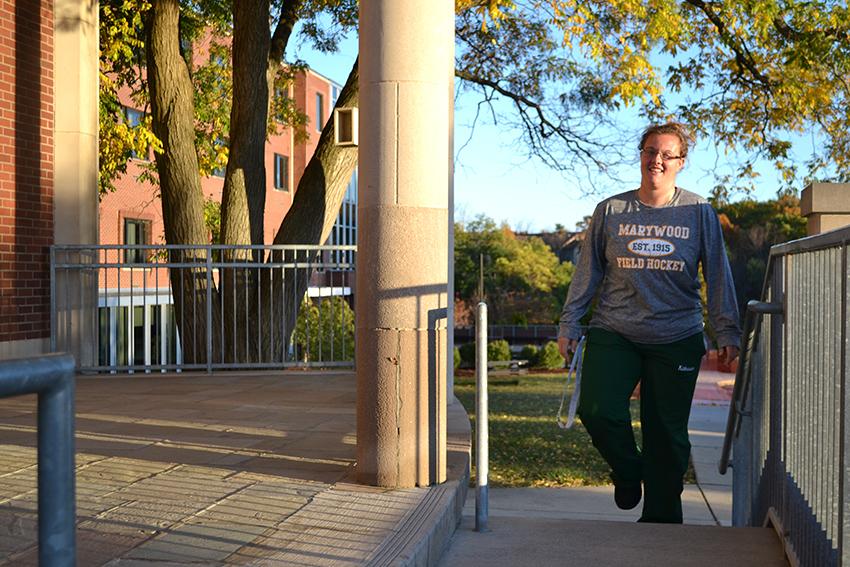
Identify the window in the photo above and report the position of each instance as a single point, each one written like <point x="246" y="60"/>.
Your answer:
<point x="281" y="172"/>
<point x="320" y="112"/>
<point x="134" y="118"/>
<point x="136" y="232"/>
<point x="218" y="147"/>
<point x="334" y="94"/>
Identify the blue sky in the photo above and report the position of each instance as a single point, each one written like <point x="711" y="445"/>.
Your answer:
<point x="494" y="177"/>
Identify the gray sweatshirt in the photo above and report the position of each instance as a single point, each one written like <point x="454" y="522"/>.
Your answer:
<point x="643" y="262"/>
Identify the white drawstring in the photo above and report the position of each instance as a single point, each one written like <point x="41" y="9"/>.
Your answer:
<point x="575" y="366"/>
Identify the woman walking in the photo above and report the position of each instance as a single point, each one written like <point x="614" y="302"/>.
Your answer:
<point x="640" y="261"/>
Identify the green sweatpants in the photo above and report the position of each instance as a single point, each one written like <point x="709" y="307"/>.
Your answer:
<point x="667" y="374"/>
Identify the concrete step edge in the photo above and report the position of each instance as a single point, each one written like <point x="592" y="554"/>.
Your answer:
<point x="424" y="533"/>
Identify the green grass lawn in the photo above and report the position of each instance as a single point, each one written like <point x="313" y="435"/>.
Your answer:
<point x="527" y="448"/>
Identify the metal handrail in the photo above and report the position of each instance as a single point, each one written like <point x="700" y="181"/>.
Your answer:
<point x="755" y="309"/>
<point x="788" y="424"/>
<point x="52" y="378"/>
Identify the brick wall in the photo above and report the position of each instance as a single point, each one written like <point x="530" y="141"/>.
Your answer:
<point x="26" y="167"/>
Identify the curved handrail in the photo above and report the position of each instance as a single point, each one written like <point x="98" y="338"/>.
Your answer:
<point x="755" y="309"/>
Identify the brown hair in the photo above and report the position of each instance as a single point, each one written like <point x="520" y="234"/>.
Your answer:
<point x="675" y="128"/>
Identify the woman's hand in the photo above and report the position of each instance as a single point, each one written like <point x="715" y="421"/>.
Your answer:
<point x="727" y="354"/>
<point x="567" y="347"/>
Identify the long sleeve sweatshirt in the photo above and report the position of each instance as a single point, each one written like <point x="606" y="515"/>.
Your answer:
<point x="643" y="262"/>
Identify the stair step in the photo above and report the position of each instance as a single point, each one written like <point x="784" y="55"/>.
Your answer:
<point x="526" y="541"/>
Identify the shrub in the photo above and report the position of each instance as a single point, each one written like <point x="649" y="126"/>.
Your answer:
<point x="550" y="357"/>
<point x="498" y="350"/>
<point x="457" y="358"/>
<point x="324" y="332"/>
<point x="530" y="353"/>
<point x="467" y="355"/>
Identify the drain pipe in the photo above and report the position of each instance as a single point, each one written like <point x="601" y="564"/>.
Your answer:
<point x="482" y="456"/>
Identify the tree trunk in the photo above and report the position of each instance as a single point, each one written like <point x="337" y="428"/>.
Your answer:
<point x="244" y="194"/>
<point x="272" y="301"/>
<point x="310" y="219"/>
<point x="172" y="110"/>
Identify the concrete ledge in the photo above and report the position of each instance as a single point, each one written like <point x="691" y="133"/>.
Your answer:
<point x="831" y="198"/>
<point x="424" y="533"/>
<point x="826" y="206"/>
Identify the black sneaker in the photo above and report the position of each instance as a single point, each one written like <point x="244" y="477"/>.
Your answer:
<point x="627" y="495"/>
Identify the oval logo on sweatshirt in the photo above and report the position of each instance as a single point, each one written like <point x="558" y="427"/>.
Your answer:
<point x="651" y="247"/>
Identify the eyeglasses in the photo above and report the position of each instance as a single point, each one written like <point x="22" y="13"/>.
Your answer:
<point x="665" y="156"/>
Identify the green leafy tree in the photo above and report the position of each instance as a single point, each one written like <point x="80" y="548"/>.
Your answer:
<point x="749" y="74"/>
<point x="750" y="228"/>
<point x="523" y="279"/>
<point x="214" y="112"/>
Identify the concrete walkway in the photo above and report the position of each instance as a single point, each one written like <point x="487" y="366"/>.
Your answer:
<point x="248" y="469"/>
<point x="576" y="526"/>
<point x="258" y="469"/>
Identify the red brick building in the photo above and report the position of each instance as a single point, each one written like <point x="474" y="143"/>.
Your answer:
<point x="26" y="172"/>
<point x="133" y="211"/>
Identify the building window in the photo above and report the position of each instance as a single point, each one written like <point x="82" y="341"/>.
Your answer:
<point x="133" y="118"/>
<point x="334" y="94"/>
<point x="136" y="232"/>
<point x="281" y="172"/>
<point x="320" y="111"/>
<point x="218" y="146"/>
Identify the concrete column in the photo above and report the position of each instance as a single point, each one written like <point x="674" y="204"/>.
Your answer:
<point x="402" y="262"/>
<point x="76" y="117"/>
<point x="826" y="206"/>
<point x="76" y="158"/>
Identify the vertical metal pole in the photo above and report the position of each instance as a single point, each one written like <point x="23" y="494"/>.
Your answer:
<point x="481" y="277"/>
<point x="742" y="471"/>
<point x="56" y="500"/>
<point x="53" y="301"/>
<point x="481" y="422"/>
<point x="208" y="249"/>
<point x="844" y="404"/>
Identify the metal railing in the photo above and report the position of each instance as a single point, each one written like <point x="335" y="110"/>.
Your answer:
<point x="788" y="428"/>
<point x="144" y="308"/>
<point x="511" y="333"/>
<point x="52" y="378"/>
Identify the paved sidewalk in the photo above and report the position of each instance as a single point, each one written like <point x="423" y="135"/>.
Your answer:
<point x="707" y="428"/>
<point x="233" y="468"/>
